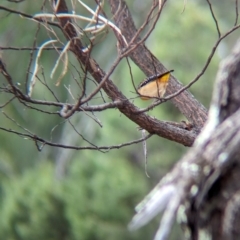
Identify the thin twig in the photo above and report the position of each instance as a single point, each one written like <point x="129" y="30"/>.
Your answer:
<point x="31" y="57"/>
<point x="43" y="141"/>
<point x="31" y="48"/>
<point x="79" y="134"/>
<point x="15" y="1"/>
<point x="28" y="16"/>
<point x="131" y="75"/>
<point x="5" y="104"/>
<point x="214" y="17"/>
<point x="236" y="8"/>
<point x="203" y="69"/>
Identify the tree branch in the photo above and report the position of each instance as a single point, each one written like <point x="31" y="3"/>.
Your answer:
<point x="143" y="58"/>
<point x="152" y="125"/>
<point x="214" y="159"/>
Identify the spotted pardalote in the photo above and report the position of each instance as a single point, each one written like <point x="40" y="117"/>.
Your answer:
<point x="154" y="86"/>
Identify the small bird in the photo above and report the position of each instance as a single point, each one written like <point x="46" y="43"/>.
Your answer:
<point x="154" y="86"/>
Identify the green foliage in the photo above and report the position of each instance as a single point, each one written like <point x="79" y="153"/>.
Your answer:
<point x="95" y="201"/>
<point x="31" y="208"/>
<point x="97" y="198"/>
<point x="104" y="199"/>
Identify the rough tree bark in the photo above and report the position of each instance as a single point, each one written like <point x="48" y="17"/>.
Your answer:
<point x="216" y="207"/>
<point x="204" y="183"/>
<point x="204" y="186"/>
<point x="186" y="103"/>
<point x="193" y="110"/>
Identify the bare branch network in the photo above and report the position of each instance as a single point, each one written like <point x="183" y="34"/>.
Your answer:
<point x="72" y="35"/>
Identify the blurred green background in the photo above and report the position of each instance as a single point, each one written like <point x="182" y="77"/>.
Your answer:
<point x="67" y="194"/>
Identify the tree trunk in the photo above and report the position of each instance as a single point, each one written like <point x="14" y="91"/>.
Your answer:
<point x="204" y="186"/>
